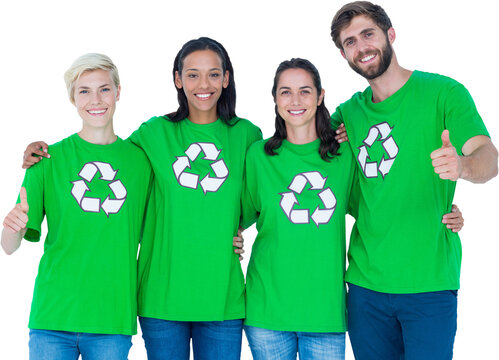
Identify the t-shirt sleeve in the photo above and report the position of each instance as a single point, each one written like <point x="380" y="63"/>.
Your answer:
<point x="137" y="136"/>
<point x="353" y="201"/>
<point x="336" y="118"/>
<point x="254" y="135"/>
<point x="34" y="184"/>
<point x="249" y="213"/>
<point x="461" y="117"/>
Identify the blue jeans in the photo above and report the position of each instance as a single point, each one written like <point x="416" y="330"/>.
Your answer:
<point x="285" y="345"/>
<point x="211" y="340"/>
<point x="385" y="326"/>
<point x="64" y="345"/>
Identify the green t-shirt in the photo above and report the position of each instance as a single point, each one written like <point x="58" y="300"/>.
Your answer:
<point x="187" y="267"/>
<point x="295" y="274"/>
<point x="398" y="243"/>
<point x="94" y="197"/>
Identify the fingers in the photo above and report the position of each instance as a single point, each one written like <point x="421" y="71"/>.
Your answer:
<point x="445" y="139"/>
<point x="238" y="242"/>
<point x="15" y="220"/>
<point x="454" y="220"/>
<point x="34" y="153"/>
<point x="341" y="134"/>
<point x="24" y="200"/>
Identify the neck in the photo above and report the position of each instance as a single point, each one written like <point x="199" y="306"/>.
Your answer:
<point x="202" y="117"/>
<point x="98" y="136"/>
<point x="390" y="82"/>
<point x="301" y="135"/>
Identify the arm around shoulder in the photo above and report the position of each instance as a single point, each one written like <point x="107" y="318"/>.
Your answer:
<point x="479" y="160"/>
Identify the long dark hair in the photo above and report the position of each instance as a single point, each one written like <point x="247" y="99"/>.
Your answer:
<point x="226" y="104"/>
<point x="329" y="146"/>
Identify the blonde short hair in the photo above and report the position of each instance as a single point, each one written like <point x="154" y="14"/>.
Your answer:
<point x="89" y="62"/>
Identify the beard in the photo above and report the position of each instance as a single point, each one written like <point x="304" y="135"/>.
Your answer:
<point x="385" y="56"/>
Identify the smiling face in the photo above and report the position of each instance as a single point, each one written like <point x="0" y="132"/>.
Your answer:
<point x="202" y="80"/>
<point x="95" y="99"/>
<point x="297" y="100"/>
<point x="366" y="47"/>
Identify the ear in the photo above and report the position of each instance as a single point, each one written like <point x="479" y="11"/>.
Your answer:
<point x="178" y="80"/>
<point x="321" y="97"/>
<point x="391" y="35"/>
<point x="226" y="79"/>
<point x="343" y="54"/>
<point x="118" y="92"/>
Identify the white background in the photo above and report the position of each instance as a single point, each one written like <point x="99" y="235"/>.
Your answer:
<point x="40" y="39"/>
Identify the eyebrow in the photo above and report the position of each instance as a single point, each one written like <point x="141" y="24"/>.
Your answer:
<point x="301" y="87"/>
<point x="194" y="69"/>
<point x="86" y="87"/>
<point x="362" y="33"/>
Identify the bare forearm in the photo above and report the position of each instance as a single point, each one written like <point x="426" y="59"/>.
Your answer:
<point x="11" y="240"/>
<point x="481" y="165"/>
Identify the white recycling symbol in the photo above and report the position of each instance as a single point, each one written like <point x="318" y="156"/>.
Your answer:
<point x="91" y="204"/>
<point x="379" y="132"/>
<point x="302" y="216"/>
<point x="190" y="180"/>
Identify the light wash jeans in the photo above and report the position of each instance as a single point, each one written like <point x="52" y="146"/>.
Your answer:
<point x="65" y="345"/>
<point x="285" y="345"/>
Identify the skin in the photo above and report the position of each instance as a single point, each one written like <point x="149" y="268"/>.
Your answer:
<point x="95" y="100"/>
<point x="297" y="100"/>
<point x="202" y="74"/>
<point x="202" y="80"/>
<point x="362" y="39"/>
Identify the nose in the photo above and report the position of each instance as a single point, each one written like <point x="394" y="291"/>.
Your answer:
<point x="96" y="97"/>
<point x="203" y="82"/>
<point x="362" y="45"/>
<point x="295" y="98"/>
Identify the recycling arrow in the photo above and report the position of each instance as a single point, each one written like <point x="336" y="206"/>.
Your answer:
<point x="191" y="180"/>
<point x="91" y="204"/>
<point x="380" y="132"/>
<point x="302" y="216"/>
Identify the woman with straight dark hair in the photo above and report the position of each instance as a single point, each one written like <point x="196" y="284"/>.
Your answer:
<point x="190" y="280"/>
<point x="298" y="190"/>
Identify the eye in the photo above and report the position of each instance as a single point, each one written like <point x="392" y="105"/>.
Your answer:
<point x="214" y="75"/>
<point x="106" y="89"/>
<point x="83" y="92"/>
<point x="305" y="92"/>
<point x="285" y="92"/>
<point x="192" y="76"/>
<point x="349" y="43"/>
<point x="369" y="34"/>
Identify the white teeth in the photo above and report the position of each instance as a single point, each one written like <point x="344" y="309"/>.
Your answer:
<point x="203" y="96"/>
<point x="367" y="58"/>
<point x="296" y="112"/>
<point x="96" y="112"/>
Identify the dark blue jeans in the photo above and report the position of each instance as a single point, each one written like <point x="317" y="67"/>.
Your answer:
<point x="211" y="340"/>
<point x="65" y="345"/>
<point x="385" y="326"/>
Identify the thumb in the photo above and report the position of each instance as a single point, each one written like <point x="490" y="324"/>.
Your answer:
<point x="445" y="139"/>
<point x="24" y="200"/>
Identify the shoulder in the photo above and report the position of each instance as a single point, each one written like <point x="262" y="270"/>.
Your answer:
<point x="60" y="145"/>
<point x="358" y="97"/>
<point x="435" y="80"/>
<point x="257" y="149"/>
<point x="242" y="124"/>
